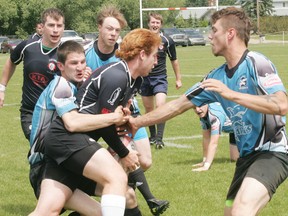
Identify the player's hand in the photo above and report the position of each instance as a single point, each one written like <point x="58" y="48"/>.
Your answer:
<point x="205" y="167"/>
<point x="178" y="84"/>
<point x="2" y="96"/>
<point x="87" y="73"/>
<point x="131" y="161"/>
<point x="131" y="126"/>
<point x="121" y="117"/>
<point x="198" y="164"/>
<point x="200" y="169"/>
<point x="217" y="86"/>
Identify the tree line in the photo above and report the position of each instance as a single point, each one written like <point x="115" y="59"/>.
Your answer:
<point x="19" y="17"/>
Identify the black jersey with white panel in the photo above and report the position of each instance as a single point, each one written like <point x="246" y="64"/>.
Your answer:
<point x="166" y="48"/>
<point x="39" y="68"/>
<point x="108" y="87"/>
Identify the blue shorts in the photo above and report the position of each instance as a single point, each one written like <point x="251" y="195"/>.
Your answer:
<point x="140" y="134"/>
<point x="154" y="84"/>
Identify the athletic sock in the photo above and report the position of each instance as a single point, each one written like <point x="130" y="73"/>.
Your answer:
<point x="113" y="205"/>
<point x="160" y="130"/>
<point x="133" y="212"/>
<point x="138" y="178"/>
<point x="152" y="130"/>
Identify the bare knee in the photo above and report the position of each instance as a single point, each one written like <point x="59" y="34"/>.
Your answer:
<point x="131" y="200"/>
<point x="146" y="163"/>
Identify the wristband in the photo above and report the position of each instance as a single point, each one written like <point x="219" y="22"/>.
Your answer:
<point x="207" y="165"/>
<point x="2" y="88"/>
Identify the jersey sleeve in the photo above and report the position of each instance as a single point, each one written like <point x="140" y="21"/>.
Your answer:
<point x="265" y="74"/>
<point x="171" y="50"/>
<point x="17" y="55"/>
<point x="63" y="97"/>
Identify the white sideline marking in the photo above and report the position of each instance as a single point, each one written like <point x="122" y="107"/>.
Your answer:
<point x="13" y="104"/>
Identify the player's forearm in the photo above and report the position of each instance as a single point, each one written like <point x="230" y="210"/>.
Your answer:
<point x="176" y="69"/>
<point x="164" y="113"/>
<point x="8" y="72"/>
<point x="275" y="104"/>
<point x="77" y="122"/>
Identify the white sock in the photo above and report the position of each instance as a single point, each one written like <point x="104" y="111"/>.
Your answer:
<point x="113" y="205"/>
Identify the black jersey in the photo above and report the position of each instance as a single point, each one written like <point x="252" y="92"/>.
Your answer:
<point x="39" y="68"/>
<point x="107" y="88"/>
<point x="167" y="48"/>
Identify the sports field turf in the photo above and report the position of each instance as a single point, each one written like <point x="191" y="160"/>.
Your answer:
<point x="170" y="177"/>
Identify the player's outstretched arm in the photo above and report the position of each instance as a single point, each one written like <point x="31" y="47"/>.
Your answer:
<point x="8" y="71"/>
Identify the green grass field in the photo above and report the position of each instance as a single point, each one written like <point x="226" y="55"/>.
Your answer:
<point x="170" y="177"/>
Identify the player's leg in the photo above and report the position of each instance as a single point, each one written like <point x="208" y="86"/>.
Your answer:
<point x="160" y="99"/>
<point x="83" y="204"/>
<point x="234" y="153"/>
<point x="148" y="103"/>
<point x="266" y="171"/>
<point x="103" y="169"/>
<point x="251" y="198"/>
<point x="46" y="204"/>
<point x="26" y="122"/>
<point x="142" y="145"/>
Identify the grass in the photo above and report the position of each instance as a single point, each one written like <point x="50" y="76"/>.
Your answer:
<point x="170" y="177"/>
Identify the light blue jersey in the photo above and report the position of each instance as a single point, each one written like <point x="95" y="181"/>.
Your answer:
<point x="254" y="131"/>
<point x="57" y="99"/>
<point x="96" y="59"/>
<point x="216" y="120"/>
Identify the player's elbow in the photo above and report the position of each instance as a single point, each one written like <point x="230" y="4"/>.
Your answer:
<point x="71" y="126"/>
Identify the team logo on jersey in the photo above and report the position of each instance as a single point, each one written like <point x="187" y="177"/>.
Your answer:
<point x="270" y="80"/>
<point x="236" y="115"/>
<point x="114" y="96"/>
<point x="38" y="79"/>
<point x="52" y="66"/>
<point x="243" y="82"/>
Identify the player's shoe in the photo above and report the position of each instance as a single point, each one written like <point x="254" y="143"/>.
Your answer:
<point x="152" y="140"/>
<point x="159" y="144"/>
<point x="157" y="207"/>
<point x="74" y="214"/>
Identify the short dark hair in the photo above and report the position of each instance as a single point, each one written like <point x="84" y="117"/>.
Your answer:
<point x="68" y="47"/>
<point x="55" y="13"/>
<point x="232" y="17"/>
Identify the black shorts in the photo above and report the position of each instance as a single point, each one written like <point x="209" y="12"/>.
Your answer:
<point x="70" y="171"/>
<point x="26" y="121"/>
<point x="269" y="168"/>
<point x="154" y="84"/>
<point x="35" y="176"/>
<point x="232" y="139"/>
<point x="61" y="144"/>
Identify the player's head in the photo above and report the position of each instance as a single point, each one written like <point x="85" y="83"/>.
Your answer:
<point x="71" y="61"/>
<point x="111" y="11"/>
<point x="110" y="23"/>
<point x="53" y="27"/>
<point x="143" y="39"/>
<point x="68" y="47"/>
<point x="201" y="111"/>
<point x="54" y="13"/>
<point x="155" y="22"/>
<point x="235" y="18"/>
<point x="39" y="27"/>
<point x="142" y="51"/>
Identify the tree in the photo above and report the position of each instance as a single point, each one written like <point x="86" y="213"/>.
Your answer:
<point x="250" y="6"/>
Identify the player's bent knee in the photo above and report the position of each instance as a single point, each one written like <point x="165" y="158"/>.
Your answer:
<point x="131" y="200"/>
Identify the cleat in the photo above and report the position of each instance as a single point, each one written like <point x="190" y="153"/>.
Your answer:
<point x="152" y="140"/>
<point x="157" y="207"/>
<point x="159" y="144"/>
<point x="74" y="214"/>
